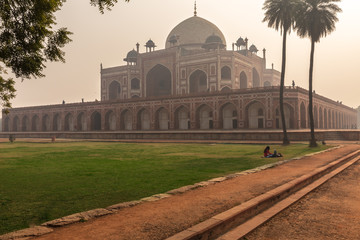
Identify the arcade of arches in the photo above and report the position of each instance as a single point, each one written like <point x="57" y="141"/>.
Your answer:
<point x="254" y="114"/>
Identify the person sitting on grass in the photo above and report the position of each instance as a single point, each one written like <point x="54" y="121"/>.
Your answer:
<point x="268" y="154"/>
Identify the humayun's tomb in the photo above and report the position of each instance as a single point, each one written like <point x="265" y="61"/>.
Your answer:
<point x="193" y="84"/>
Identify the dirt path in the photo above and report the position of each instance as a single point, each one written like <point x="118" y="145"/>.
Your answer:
<point x="330" y="212"/>
<point x="164" y="218"/>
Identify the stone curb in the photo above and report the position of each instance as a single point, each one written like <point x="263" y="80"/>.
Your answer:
<point x="77" y="217"/>
<point x="27" y="233"/>
<point x="223" y="222"/>
<point x="47" y="227"/>
<point x="255" y="222"/>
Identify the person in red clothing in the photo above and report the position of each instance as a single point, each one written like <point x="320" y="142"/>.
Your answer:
<point x="267" y="152"/>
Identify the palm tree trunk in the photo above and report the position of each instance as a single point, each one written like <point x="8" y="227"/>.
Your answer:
<point x="311" y="115"/>
<point x="282" y="80"/>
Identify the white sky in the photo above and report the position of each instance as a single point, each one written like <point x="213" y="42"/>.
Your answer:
<point x="107" y="39"/>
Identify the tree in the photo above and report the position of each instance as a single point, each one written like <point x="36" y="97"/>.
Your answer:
<point x="28" y="39"/>
<point x="280" y="14"/>
<point x="315" y="19"/>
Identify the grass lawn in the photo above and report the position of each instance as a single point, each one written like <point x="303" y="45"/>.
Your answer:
<point x="45" y="181"/>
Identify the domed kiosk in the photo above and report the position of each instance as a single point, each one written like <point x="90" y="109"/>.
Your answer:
<point x="193" y="32"/>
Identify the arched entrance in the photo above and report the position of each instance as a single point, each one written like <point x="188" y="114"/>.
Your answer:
<point x="135" y="84"/>
<point x="162" y="119"/>
<point x="158" y="81"/>
<point x="316" y="118"/>
<point x="256" y="78"/>
<point x="144" y="119"/>
<point x="35" y="123"/>
<point x="114" y="90"/>
<point x="126" y="120"/>
<point x="69" y="122"/>
<point x="25" y="124"/>
<point x="110" y="121"/>
<point x="95" y="121"/>
<point x="289" y="117"/>
<point x="56" y="122"/>
<point x="81" y="122"/>
<point x="225" y="73"/>
<point x="321" y="118"/>
<point x="256" y="116"/>
<point x="198" y="82"/>
<point x="182" y="118"/>
<point x="205" y="117"/>
<point x="302" y="115"/>
<point x="229" y="116"/>
<point x="243" y="80"/>
<point x="16" y="124"/>
<point x="6" y="124"/>
<point x="45" y="123"/>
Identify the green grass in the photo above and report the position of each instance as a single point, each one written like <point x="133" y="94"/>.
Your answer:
<point x="45" y="181"/>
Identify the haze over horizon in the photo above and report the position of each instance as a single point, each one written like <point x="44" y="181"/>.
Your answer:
<point x="107" y="38"/>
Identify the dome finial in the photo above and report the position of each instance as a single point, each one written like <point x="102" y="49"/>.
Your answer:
<point x="195" y="12"/>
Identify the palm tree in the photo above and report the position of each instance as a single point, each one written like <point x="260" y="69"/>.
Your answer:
<point x="315" y="19"/>
<point x="280" y="14"/>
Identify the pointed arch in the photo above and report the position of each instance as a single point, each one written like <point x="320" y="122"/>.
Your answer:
<point x="81" y="124"/>
<point x="158" y="81"/>
<point x="204" y="117"/>
<point x="182" y="118"/>
<point x="325" y="119"/>
<point x="35" y="123"/>
<point x="6" y="124"/>
<point x="162" y="119"/>
<point x="69" y="122"/>
<point x="256" y="78"/>
<point x="126" y="120"/>
<point x="302" y="115"/>
<point x="316" y="117"/>
<point x="321" y="118"/>
<point x="289" y="117"/>
<point x="228" y="116"/>
<point x="25" y="126"/>
<point x="255" y="112"/>
<point x="198" y="82"/>
<point x="95" y="124"/>
<point x="110" y="121"/>
<point x="135" y="84"/>
<point x="114" y="90"/>
<point x="16" y="124"/>
<point x="45" y="123"/>
<point x="243" y="80"/>
<point x="143" y="119"/>
<point x="225" y="73"/>
<point x="56" y="122"/>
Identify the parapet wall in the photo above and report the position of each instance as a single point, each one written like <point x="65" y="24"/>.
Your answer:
<point x="345" y="135"/>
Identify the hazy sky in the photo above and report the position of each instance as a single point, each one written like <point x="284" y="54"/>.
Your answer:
<point x="107" y="39"/>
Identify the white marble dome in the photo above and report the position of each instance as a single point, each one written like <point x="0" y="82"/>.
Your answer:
<point x="193" y="32"/>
